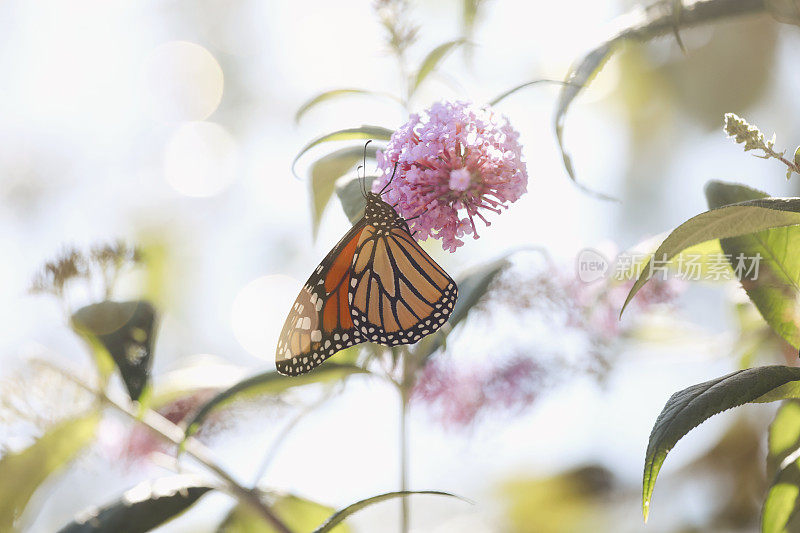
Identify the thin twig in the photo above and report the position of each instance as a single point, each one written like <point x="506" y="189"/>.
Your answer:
<point x="281" y="437"/>
<point x="404" y="386"/>
<point x="172" y="433"/>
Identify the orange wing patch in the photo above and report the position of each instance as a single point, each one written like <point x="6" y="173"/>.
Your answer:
<point x="320" y="323"/>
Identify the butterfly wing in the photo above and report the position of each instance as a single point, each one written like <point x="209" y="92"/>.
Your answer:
<point x="398" y="294"/>
<point x="320" y="323"/>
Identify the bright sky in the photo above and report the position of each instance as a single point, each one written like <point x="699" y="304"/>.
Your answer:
<point x="175" y="120"/>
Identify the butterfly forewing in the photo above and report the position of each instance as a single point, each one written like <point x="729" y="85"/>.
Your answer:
<point x="319" y="323"/>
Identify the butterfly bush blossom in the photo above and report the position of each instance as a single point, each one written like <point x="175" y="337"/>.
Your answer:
<point x="459" y="395"/>
<point x="454" y="161"/>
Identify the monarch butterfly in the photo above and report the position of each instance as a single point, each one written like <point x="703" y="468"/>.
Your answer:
<point x="376" y="285"/>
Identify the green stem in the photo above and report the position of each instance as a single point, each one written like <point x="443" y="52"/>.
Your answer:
<point x="404" y="457"/>
<point x="404" y="386"/>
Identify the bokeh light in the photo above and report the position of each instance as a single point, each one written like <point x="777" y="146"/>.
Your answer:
<point x="201" y="159"/>
<point x="182" y="81"/>
<point x="259" y="310"/>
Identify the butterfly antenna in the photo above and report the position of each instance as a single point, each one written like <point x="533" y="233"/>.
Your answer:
<point x="394" y="171"/>
<point x="361" y="181"/>
<point x="364" y="179"/>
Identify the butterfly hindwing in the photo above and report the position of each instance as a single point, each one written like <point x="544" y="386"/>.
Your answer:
<point x="398" y="294"/>
<point x="320" y="323"/>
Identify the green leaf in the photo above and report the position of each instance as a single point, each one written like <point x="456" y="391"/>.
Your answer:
<point x="469" y="14"/>
<point x="334" y="94"/>
<point x="340" y="516"/>
<point x="269" y="383"/>
<point x="352" y="197"/>
<point x="776" y="289"/>
<point x="779" y="514"/>
<point x="144" y="507"/>
<point x="784" y="435"/>
<point x="640" y="25"/>
<point x="579" y="77"/>
<point x="729" y="221"/>
<point x="472" y="285"/>
<point x="127" y="331"/>
<point x="21" y="473"/>
<point x="324" y="174"/>
<point x="376" y="133"/>
<point x="299" y="514"/>
<point x="690" y="407"/>
<point x="782" y="503"/>
<point x="432" y="60"/>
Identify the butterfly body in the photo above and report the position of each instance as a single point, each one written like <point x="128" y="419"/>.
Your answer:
<point x="376" y="285"/>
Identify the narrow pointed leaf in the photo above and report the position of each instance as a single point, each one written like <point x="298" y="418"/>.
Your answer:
<point x="332" y="95"/>
<point x="690" y="407"/>
<point x="340" y="516"/>
<point x="324" y="173"/>
<point x="580" y="76"/>
<point x="742" y="218"/>
<point x="352" y="197"/>
<point x="497" y="99"/>
<point x="269" y="383"/>
<point x="469" y="14"/>
<point x="144" y="507"/>
<point x="127" y="331"/>
<point x="638" y="25"/>
<point x="365" y="132"/>
<point x="775" y="290"/>
<point x="21" y="473"/>
<point x="432" y="60"/>
<point x="299" y="514"/>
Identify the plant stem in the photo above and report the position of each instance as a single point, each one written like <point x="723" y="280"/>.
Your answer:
<point x="172" y="433"/>
<point x="404" y="386"/>
<point x="404" y="456"/>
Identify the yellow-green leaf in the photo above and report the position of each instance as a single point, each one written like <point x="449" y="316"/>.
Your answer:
<point x="775" y="291"/>
<point x="269" y="383"/>
<point x="742" y="218"/>
<point x="365" y="132"/>
<point x="432" y="60"/>
<point x="21" y="473"/>
<point x="324" y="174"/>
<point x="332" y="95"/>
<point x="298" y="514"/>
<point x="336" y="519"/>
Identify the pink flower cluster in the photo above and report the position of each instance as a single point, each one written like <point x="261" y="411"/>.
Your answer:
<point x="459" y="395"/>
<point x="597" y="305"/>
<point x="462" y="396"/>
<point x="454" y="161"/>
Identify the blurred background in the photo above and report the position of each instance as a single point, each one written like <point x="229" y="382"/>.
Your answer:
<point x="171" y="125"/>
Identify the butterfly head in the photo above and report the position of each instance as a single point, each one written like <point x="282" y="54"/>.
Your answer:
<point x="377" y="211"/>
